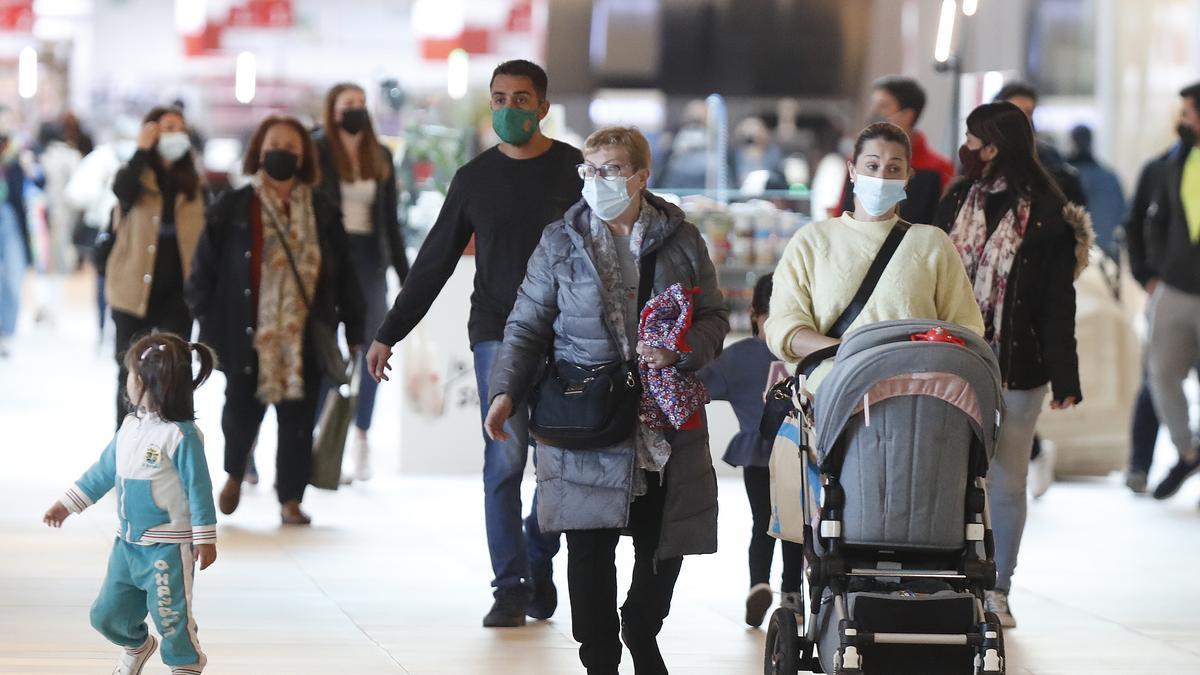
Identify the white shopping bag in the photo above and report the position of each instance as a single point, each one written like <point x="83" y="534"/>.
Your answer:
<point x="789" y="480"/>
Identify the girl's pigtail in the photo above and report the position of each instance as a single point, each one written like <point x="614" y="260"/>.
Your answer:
<point x="208" y="361"/>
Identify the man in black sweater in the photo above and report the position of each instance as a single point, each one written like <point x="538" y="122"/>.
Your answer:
<point x="504" y="197"/>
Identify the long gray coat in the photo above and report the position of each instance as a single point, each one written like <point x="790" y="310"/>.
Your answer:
<point x="560" y="302"/>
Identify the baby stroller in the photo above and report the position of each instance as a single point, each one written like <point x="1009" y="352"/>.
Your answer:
<point x="899" y="552"/>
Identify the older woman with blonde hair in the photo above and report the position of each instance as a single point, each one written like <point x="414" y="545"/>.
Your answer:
<point x="581" y="300"/>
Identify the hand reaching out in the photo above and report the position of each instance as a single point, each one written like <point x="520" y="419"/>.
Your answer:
<point x="55" y="515"/>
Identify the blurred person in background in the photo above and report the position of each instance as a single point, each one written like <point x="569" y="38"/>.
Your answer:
<point x="90" y="191"/>
<point x="1174" y="233"/>
<point x="683" y="152"/>
<point x="1102" y="189"/>
<point x="272" y="260"/>
<point x="160" y="200"/>
<point x="756" y="152"/>
<point x="14" y="240"/>
<point x="900" y="101"/>
<point x="1144" y="264"/>
<point x="1025" y="96"/>
<point x="357" y="174"/>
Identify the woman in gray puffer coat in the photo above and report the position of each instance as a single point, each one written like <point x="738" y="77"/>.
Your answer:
<point x="580" y="295"/>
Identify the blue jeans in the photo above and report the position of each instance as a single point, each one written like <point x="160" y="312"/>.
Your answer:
<point x="1007" y="478"/>
<point x="372" y="279"/>
<point x="12" y="269"/>
<point x="517" y="552"/>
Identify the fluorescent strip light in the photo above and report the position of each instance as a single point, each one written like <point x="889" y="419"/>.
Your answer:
<point x="945" y="34"/>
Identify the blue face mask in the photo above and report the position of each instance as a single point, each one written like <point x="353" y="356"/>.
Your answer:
<point x="878" y="195"/>
<point x="607" y="198"/>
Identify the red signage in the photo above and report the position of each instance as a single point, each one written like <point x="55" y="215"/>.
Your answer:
<point x="16" y="16"/>
<point x="262" y="14"/>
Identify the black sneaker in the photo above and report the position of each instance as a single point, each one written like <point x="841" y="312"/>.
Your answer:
<point x="1174" y="480"/>
<point x="508" y="611"/>
<point x="545" y="596"/>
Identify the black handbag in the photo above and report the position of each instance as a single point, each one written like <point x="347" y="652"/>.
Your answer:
<point x="321" y="336"/>
<point x="780" y="399"/>
<point x="581" y="407"/>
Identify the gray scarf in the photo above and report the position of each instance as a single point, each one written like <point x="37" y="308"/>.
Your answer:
<point x="651" y="447"/>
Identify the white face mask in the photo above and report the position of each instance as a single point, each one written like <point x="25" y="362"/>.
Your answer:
<point x="173" y="144"/>
<point x="878" y="195"/>
<point x="607" y="198"/>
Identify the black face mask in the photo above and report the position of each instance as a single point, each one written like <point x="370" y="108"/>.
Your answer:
<point x="354" y="120"/>
<point x="1186" y="135"/>
<point x="280" y="164"/>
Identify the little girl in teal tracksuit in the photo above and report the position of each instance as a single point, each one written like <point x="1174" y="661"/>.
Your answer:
<point x="168" y="523"/>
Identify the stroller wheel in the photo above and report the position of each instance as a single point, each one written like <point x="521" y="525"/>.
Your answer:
<point x="783" y="644"/>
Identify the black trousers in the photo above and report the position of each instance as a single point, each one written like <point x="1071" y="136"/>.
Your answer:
<point x="243" y="415"/>
<point x="762" y="545"/>
<point x="170" y="317"/>
<point x="592" y="581"/>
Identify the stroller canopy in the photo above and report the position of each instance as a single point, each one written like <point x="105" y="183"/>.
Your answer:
<point x="881" y="361"/>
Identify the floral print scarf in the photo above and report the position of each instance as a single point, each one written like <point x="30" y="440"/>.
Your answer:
<point x="282" y="306"/>
<point x="989" y="259"/>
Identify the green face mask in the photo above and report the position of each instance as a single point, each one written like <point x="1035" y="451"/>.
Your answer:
<point x="514" y="125"/>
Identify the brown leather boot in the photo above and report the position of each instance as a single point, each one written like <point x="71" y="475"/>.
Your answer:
<point x="292" y="515"/>
<point x="231" y="496"/>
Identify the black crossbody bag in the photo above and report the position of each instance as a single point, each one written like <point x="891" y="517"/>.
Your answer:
<point x="779" y="403"/>
<point x="579" y="407"/>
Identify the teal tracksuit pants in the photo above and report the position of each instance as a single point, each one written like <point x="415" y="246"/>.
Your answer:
<point x="154" y="579"/>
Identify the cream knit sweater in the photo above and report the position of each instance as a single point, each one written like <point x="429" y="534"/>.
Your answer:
<point x="825" y="263"/>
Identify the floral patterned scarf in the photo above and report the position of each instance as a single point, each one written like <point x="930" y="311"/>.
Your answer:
<point x="651" y="446"/>
<point x="989" y="259"/>
<point x="282" y="307"/>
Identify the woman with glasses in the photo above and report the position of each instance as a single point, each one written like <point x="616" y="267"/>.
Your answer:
<point x="580" y="299"/>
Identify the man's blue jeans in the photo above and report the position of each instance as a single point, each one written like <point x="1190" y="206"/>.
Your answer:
<point x="517" y="550"/>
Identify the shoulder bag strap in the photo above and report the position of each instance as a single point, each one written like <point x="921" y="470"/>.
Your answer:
<point x="869" y="282"/>
<point x="291" y="261"/>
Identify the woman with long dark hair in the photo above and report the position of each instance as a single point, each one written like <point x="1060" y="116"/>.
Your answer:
<point x="160" y="218"/>
<point x="1023" y="245"/>
<point x="273" y="260"/>
<point x="357" y="173"/>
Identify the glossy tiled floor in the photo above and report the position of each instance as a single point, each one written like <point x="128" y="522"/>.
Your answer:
<point x="394" y="576"/>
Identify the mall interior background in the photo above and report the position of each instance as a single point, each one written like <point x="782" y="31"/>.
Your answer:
<point x="804" y="68"/>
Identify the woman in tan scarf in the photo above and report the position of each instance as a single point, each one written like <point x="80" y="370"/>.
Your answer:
<point x="273" y="259"/>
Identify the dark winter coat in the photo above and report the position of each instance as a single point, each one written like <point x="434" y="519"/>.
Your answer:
<point x="1037" y="342"/>
<point x="218" y="291"/>
<point x="1169" y="234"/>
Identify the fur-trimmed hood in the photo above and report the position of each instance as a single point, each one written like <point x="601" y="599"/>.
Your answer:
<point x="1080" y="221"/>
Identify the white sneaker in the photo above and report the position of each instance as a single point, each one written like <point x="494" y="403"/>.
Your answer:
<point x="1041" y="469"/>
<point x="362" y="460"/>
<point x="758" y="601"/>
<point x="996" y="602"/>
<point x="132" y="663"/>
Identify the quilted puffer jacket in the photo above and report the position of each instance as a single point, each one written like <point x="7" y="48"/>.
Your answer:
<point x="560" y="304"/>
